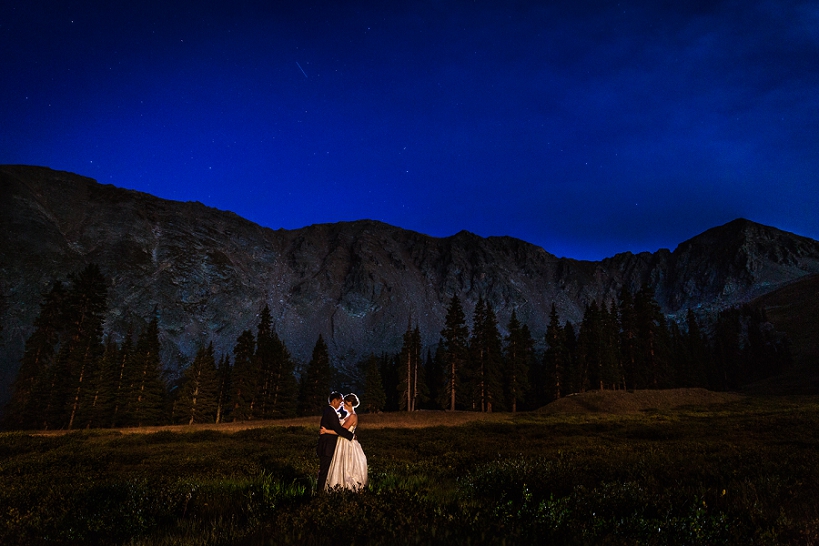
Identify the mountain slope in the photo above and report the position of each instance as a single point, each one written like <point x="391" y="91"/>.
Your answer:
<point x="209" y="272"/>
<point x="794" y="310"/>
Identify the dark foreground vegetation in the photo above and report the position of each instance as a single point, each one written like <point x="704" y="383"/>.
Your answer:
<point x="742" y="473"/>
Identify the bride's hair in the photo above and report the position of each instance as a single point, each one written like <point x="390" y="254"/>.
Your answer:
<point x="352" y="399"/>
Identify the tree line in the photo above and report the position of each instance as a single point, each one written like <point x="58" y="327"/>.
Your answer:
<point x="626" y="344"/>
<point x="74" y="375"/>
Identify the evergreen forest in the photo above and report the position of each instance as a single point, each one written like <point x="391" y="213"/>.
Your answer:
<point x="76" y="375"/>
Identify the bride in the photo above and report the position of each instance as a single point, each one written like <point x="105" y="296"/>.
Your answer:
<point x="349" y="467"/>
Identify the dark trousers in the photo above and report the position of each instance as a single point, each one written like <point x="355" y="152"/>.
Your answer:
<point x="324" y="467"/>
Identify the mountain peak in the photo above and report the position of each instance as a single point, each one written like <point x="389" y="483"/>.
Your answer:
<point x="209" y="272"/>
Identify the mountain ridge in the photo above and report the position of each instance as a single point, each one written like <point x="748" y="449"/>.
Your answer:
<point x="357" y="283"/>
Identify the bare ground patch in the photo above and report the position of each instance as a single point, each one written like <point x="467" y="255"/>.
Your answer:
<point x="605" y="402"/>
<point x="417" y="419"/>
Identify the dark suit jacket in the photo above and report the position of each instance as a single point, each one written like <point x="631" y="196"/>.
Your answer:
<point x="327" y="442"/>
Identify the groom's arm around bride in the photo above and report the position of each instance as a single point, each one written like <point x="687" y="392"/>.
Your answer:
<point x="327" y="442"/>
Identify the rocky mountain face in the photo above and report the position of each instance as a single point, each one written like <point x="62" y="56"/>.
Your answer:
<point x="208" y="272"/>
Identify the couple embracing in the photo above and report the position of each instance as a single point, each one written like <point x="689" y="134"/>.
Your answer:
<point x="342" y="462"/>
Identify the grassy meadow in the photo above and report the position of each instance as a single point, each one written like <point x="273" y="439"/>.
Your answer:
<point x="740" y="472"/>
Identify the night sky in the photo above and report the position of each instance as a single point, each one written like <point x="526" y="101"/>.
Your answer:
<point x="585" y="127"/>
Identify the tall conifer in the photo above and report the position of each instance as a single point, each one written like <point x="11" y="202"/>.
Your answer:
<point x="276" y="387"/>
<point x="681" y="359"/>
<point x="123" y="381"/>
<point x="99" y="396"/>
<point x="197" y="401"/>
<point x="727" y="351"/>
<point x="588" y="349"/>
<point x="698" y="351"/>
<point x="629" y="346"/>
<point x="570" y="343"/>
<point x="486" y="360"/>
<point x="316" y="380"/>
<point x="554" y="359"/>
<point x="519" y="352"/>
<point x="374" y="397"/>
<point x="611" y="372"/>
<point x="284" y="388"/>
<point x="653" y="338"/>
<point x="455" y="336"/>
<point x="223" y="388"/>
<point x="245" y="378"/>
<point x="411" y="370"/>
<point x="29" y="390"/>
<point x="435" y="376"/>
<point x="82" y="347"/>
<point x="390" y="366"/>
<point x="146" y="388"/>
<point x="266" y="364"/>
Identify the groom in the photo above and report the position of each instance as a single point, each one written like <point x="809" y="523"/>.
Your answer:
<point x="327" y="442"/>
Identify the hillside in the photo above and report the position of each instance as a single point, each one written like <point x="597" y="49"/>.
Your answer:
<point x="209" y="272"/>
<point x="794" y="310"/>
<point x="622" y="402"/>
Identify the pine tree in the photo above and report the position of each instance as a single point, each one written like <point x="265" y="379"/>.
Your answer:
<point x="570" y="343"/>
<point x="99" y="397"/>
<point x="197" y="401"/>
<point x="472" y="373"/>
<point x="276" y="388"/>
<point x="266" y="364"/>
<point x="412" y="376"/>
<point x="82" y="348"/>
<point x="629" y="350"/>
<point x="682" y="359"/>
<point x="245" y="378"/>
<point x="454" y="336"/>
<point x="727" y="351"/>
<point x="554" y="359"/>
<point x="374" y="397"/>
<point x="486" y="360"/>
<point x="699" y="353"/>
<point x="653" y="340"/>
<point x="29" y="390"/>
<point x="316" y="380"/>
<point x="121" y="384"/>
<point x="223" y="388"/>
<point x="420" y="392"/>
<point x="146" y="388"/>
<point x="518" y="356"/>
<point x="408" y="361"/>
<point x="434" y="377"/>
<point x="588" y="349"/>
<point x="611" y="371"/>
<point x="532" y="360"/>
<point x="493" y="368"/>
<point x="284" y="388"/>
<point x="390" y="366"/>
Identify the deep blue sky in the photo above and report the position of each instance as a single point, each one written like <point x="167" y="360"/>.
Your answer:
<point x="585" y="127"/>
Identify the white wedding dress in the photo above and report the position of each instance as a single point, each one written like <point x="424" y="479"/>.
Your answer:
<point x="349" y="467"/>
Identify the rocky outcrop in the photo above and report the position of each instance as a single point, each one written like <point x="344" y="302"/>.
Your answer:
<point x="209" y="272"/>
